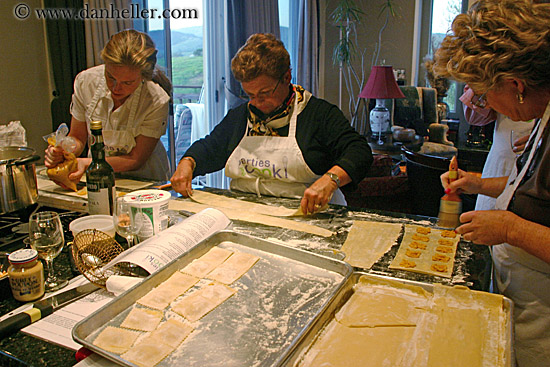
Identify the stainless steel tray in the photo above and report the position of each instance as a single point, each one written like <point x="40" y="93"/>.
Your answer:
<point x="276" y="301"/>
<point x="299" y="350"/>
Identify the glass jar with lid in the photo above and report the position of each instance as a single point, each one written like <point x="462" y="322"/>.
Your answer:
<point x="26" y="275"/>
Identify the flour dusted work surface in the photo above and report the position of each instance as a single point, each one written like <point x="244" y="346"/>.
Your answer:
<point x="410" y="324"/>
<point x="254" y="321"/>
<point x="427" y="250"/>
<point x="368" y="241"/>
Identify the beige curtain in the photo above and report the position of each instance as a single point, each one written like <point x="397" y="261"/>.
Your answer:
<point x="99" y="31"/>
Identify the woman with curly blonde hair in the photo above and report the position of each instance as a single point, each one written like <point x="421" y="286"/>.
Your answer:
<point x="131" y="96"/>
<point x="501" y="49"/>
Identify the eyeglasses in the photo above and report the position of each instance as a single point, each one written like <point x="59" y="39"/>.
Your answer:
<point x="263" y="95"/>
<point x="479" y="101"/>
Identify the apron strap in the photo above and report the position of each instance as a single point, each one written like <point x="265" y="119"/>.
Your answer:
<point x="100" y="91"/>
<point x="515" y="178"/>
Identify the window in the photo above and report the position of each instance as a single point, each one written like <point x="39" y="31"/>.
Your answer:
<point x="181" y="45"/>
<point x="288" y="23"/>
<point x="439" y="15"/>
<point x="446" y="11"/>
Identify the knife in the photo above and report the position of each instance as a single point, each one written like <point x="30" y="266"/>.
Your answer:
<point x="43" y="308"/>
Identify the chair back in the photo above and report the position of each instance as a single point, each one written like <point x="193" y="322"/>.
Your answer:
<point x="423" y="172"/>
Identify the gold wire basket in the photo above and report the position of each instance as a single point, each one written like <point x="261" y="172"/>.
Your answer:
<point x="91" y="251"/>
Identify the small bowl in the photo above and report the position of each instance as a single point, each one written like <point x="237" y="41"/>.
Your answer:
<point x="103" y="223"/>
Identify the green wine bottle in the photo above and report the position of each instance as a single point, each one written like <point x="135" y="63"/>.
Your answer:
<point x="100" y="176"/>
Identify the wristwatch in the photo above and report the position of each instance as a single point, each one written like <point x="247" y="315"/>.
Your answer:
<point x="334" y="177"/>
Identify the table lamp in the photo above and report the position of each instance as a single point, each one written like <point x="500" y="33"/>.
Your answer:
<point x="381" y="85"/>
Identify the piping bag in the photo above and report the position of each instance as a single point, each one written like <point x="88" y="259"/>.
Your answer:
<point x="61" y="172"/>
<point x="451" y="204"/>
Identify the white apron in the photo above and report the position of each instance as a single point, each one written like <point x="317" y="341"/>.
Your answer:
<point x="273" y="165"/>
<point x="501" y="159"/>
<point x="122" y="141"/>
<point x="525" y="279"/>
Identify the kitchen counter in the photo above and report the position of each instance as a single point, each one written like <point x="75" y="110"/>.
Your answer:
<point x="469" y="267"/>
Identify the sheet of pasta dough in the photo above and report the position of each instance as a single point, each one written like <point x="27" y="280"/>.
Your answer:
<point x="340" y="345"/>
<point x="369" y="241"/>
<point x="451" y="327"/>
<point x="244" y="215"/>
<point x="427" y="250"/>
<point x="208" y="198"/>
<point x="233" y="268"/>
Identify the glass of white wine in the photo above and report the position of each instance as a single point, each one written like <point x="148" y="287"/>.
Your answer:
<point x="127" y="218"/>
<point x="46" y="237"/>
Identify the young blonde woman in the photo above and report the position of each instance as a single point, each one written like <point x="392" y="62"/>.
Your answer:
<point x="130" y="95"/>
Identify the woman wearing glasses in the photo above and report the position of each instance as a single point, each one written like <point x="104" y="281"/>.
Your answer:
<point x="284" y="142"/>
<point x="501" y="48"/>
<point x="131" y="96"/>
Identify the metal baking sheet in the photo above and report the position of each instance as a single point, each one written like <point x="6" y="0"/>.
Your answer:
<point x="276" y="301"/>
<point x="299" y="350"/>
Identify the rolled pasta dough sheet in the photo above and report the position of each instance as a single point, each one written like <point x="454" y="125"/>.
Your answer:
<point x="369" y="241"/>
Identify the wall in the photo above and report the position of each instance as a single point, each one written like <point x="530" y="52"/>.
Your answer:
<point x="397" y="44"/>
<point x="25" y="85"/>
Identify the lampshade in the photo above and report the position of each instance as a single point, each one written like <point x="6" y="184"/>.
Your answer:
<point x="381" y="84"/>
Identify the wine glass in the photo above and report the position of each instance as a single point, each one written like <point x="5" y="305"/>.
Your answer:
<point x="46" y="237"/>
<point x="127" y="218"/>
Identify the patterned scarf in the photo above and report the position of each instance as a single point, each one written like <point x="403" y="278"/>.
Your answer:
<point x="261" y="124"/>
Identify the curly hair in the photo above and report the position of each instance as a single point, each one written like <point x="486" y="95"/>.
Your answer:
<point x="262" y="54"/>
<point x="497" y="40"/>
<point x="135" y="49"/>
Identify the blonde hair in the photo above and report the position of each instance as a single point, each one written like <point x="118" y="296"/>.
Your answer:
<point x="497" y="40"/>
<point x="136" y="49"/>
<point x="262" y="54"/>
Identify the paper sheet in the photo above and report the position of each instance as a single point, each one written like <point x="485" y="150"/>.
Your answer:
<point x="157" y="251"/>
<point x="57" y="327"/>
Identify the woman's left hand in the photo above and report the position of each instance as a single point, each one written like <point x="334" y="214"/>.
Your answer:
<point x="486" y="227"/>
<point x="318" y="195"/>
<point x="83" y="164"/>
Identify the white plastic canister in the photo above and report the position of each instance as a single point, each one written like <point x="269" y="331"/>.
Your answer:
<point x="154" y="207"/>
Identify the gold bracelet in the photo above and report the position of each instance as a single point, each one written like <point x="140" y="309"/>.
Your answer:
<point x="190" y="159"/>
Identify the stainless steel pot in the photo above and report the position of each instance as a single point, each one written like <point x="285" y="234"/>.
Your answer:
<point x="18" y="178"/>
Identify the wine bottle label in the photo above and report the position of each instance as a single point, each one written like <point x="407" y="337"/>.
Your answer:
<point x="100" y="200"/>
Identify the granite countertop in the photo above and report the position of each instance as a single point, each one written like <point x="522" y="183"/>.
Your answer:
<point x="469" y="267"/>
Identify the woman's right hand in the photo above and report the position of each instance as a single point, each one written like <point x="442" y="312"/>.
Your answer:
<point x="181" y="180"/>
<point x="466" y="183"/>
<point x="53" y="156"/>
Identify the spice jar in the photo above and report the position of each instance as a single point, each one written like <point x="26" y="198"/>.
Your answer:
<point x="26" y="275"/>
